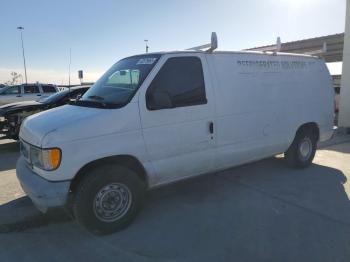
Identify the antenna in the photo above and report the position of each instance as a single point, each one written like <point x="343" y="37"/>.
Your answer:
<point x="70" y="61"/>
<point x="147" y="47"/>
<point x="212" y="46"/>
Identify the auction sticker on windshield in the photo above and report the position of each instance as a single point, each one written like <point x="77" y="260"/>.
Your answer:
<point x="146" y="61"/>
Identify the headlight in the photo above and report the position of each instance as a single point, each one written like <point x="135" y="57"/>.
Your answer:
<point x="46" y="159"/>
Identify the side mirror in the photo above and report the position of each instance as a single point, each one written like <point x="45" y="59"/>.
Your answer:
<point x="157" y="100"/>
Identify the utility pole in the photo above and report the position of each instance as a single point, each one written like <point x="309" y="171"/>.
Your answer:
<point x="146" y="41"/>
<point x="70" y="61"/>
<point x="21" y="28"/>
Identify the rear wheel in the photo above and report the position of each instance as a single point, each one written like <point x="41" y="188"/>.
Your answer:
<point x="302" y="151"/>
<point x="108" y="199"/>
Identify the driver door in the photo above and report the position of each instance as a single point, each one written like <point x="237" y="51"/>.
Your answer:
<point x="178" y="124"/>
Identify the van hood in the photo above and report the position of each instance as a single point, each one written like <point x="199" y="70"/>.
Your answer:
<point x="36" y="127"/>
<point x="70" y="122"/>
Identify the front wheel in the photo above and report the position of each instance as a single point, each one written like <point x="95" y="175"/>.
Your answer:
<point x="108" y="199"/>
<point x="302" y="151"/>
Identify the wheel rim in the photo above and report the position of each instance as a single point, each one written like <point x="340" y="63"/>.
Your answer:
<point x="112" y="202"/>
<point x="305" y="148"/>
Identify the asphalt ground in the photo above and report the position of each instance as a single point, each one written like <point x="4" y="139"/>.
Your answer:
<point x="256" y="212"/>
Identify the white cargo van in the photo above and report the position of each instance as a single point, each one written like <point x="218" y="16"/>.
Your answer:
<point x="158" y="118"/>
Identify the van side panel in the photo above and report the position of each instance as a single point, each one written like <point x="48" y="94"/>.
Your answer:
<point x="261" y="101"/>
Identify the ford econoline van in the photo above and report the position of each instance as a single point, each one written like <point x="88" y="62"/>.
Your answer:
<point x="157" y="118"/>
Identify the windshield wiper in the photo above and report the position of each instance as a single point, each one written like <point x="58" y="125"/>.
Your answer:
<point x="96" y="97"/>
<point x="89" y="103"/>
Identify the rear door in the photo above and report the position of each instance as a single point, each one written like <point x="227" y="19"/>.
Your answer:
<point x="176" y="109"/>
<point x="31" y="92"/>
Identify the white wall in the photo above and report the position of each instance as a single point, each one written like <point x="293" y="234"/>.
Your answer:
<point x="344" y="110"/>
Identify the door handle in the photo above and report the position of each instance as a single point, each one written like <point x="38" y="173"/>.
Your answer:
<point x="38" y="95"/>
<point x="211" y="127"/>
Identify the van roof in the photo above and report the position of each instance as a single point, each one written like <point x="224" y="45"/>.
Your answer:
<point x="234" y="52"/>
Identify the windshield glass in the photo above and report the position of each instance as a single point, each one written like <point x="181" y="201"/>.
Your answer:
<point x="119" y="84"/>
<point x="54" y="97"/>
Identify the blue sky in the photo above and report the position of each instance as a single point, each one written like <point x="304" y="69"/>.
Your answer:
<point x="100" y="32"/>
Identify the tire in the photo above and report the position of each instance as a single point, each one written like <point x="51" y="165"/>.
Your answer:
<point x="108" y="199"/>
<point x="302" y="151"/>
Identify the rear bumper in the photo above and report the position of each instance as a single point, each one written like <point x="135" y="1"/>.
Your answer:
<point x="43" y="193"/>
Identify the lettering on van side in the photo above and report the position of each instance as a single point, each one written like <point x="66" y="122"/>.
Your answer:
<point x="268" y="64"/>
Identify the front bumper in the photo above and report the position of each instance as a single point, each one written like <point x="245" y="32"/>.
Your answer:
<point x="43" y="193"/>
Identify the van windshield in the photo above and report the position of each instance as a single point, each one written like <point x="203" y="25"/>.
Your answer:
<point x="119" y="84"/>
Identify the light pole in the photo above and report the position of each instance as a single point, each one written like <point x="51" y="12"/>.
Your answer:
<point x="146" y="41"/>
<point x="70" y="61"/>
<point x="21" y="28"/>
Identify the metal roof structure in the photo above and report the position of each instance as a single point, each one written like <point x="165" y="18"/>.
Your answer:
<point x="334" y="44"/>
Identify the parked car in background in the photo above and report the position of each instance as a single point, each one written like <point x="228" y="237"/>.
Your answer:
<point x="25" y="92"/>
<point x="12" y="115"/>
<point x="2" y="86"/>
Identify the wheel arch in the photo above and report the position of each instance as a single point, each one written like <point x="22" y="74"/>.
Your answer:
<point x="311" y="127"/>
<point x="128" y="161"/>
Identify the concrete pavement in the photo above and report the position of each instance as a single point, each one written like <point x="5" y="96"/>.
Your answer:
<point x="257" y="212"/>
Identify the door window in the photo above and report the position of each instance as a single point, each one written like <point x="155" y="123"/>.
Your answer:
<point x="179" y="83"/>
<point x="48" y="89"/>
<point x="12" y="91"/>
<point x="31" y="89"/>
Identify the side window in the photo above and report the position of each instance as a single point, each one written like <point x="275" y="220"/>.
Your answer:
<point x="48" y="89"/>
<point x="31" y="89"/>
<point x="179" y="83"/>
<point x="12" y="90"/>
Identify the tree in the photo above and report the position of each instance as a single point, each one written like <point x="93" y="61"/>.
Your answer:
<point x="14" y="79"/>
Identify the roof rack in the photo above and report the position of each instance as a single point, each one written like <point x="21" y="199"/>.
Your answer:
<point x="209" y="47"/>
<point x="318" y="52"/>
